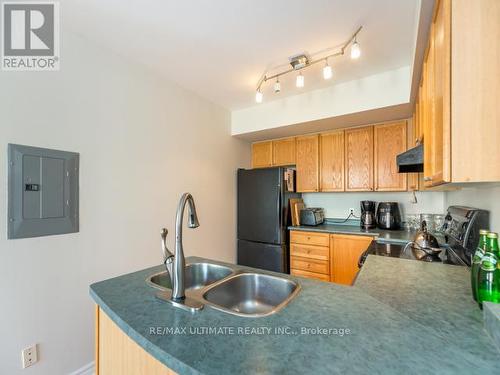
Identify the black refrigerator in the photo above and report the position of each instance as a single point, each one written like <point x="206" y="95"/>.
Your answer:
<point x="263" y="217"/>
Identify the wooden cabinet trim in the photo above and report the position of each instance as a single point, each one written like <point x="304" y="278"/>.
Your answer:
<point x="96" y="340"/>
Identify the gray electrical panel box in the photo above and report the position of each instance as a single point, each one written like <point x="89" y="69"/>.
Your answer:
<point x="43" y="192"/>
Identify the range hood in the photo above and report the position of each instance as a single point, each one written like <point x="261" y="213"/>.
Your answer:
<point x="411" y="161"/>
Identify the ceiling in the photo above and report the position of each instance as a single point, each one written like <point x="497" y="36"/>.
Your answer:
<point x="219" y="49"/>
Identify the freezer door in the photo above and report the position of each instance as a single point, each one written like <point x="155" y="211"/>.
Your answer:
<point x="259" y="205"/>
<point x="264" y="256"/>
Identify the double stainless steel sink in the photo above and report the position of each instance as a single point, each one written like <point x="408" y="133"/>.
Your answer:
<point x="231" y="289"/>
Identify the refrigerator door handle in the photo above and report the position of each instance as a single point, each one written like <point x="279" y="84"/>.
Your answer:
<point x="279" y="198"/>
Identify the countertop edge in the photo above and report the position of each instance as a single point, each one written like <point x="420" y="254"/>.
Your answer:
<point x="491" y="314"/>
<point x="377" y="236"/>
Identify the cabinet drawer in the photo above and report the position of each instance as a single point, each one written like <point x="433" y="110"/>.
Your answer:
<point x="310" y="252"/>
<point x="311" y="265"/>
<point x="310" y="238"/>
<point x="310" y="275"/>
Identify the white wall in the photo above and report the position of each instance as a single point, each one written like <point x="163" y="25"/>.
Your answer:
<point x="376" y="91"/>
<point x="480" y="196"/>
<point x="337" y="205"/>
<point x="142" y="142"/>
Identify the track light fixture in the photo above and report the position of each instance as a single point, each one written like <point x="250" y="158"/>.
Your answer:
<point x="301" y="61"/>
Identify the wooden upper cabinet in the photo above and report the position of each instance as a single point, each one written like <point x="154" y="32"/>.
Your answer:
<point x="331" y="146"/>
<point x="345" y="251"/>
<point x="437" y="168"/>
<point x="359" y="159"/>
<point x="262" y="154"/>
<point x="390" y="140"/>
<point x="307" y="162"/>
<point x="475" y="90"/>
<point x="284" y="151"/>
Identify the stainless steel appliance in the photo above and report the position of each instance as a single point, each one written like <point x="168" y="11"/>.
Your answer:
<point x="388" y="215"/>
<point x="411" y="161"/>
<point x="461" y="229"/>
<point x="460" y="237"/>
<point x="312" y="216"/>
<point x="263" y="218"/>
<point x="368" y="220"/>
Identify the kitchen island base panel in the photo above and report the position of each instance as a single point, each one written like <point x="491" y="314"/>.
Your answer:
<point x="117" y="354"/>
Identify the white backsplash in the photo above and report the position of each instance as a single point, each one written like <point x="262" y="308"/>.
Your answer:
<point x="486" y="196"/>
<point x="337" y="205"/>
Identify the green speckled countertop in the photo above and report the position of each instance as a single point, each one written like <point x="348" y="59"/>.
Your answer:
<point x="381" y="235"/>
<point x="491" y="312"/>
<point x="400" y="317"/>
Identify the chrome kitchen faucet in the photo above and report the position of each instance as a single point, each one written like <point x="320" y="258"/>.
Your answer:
<point x="176" y="263"/>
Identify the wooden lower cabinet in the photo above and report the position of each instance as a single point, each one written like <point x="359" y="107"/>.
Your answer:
<point x="345" y="251"/>
<point x="117" y="354"/>
<point x="326" y="257"/>
<point x="310" y="255"/>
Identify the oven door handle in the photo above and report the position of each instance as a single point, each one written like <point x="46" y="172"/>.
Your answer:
<point x="362" y="258"/>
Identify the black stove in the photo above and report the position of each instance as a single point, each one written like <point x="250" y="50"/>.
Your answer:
<point x="458" y="239"/>
<point x="447" y="255"/>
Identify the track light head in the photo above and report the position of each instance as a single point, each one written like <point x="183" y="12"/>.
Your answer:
<point x="299" y="82"/>
<point x="277" y="86"/>
<point x="327" y="71"/>
<point x="355" y="50"/>
<point x="259" y="96"/>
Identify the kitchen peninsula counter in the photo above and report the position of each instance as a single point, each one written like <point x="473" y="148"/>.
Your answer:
<point x="376" y="327"/>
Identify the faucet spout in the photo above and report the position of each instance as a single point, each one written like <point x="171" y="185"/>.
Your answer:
<point x="179" y="261"/>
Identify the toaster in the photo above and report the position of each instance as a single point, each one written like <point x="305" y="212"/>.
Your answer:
<point x="312" y="216"/>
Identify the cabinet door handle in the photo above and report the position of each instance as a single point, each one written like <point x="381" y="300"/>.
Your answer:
<point x="427" y="178"/>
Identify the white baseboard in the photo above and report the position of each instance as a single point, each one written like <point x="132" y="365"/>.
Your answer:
<point x="88" y="369"/>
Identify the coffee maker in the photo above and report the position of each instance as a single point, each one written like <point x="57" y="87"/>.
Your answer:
<point x="368" y="215"/>
<point x="388" y="215"/>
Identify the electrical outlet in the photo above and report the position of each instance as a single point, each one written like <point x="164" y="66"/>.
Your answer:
<point x="29" y="356"/>
<point x="351" y="211"/>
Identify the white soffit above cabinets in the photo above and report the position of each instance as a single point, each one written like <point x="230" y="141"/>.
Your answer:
<point x="219" y="49"/>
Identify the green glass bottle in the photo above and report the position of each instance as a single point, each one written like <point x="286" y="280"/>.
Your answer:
<point x="489" y="273"/>
<point x="476" y="261"/>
